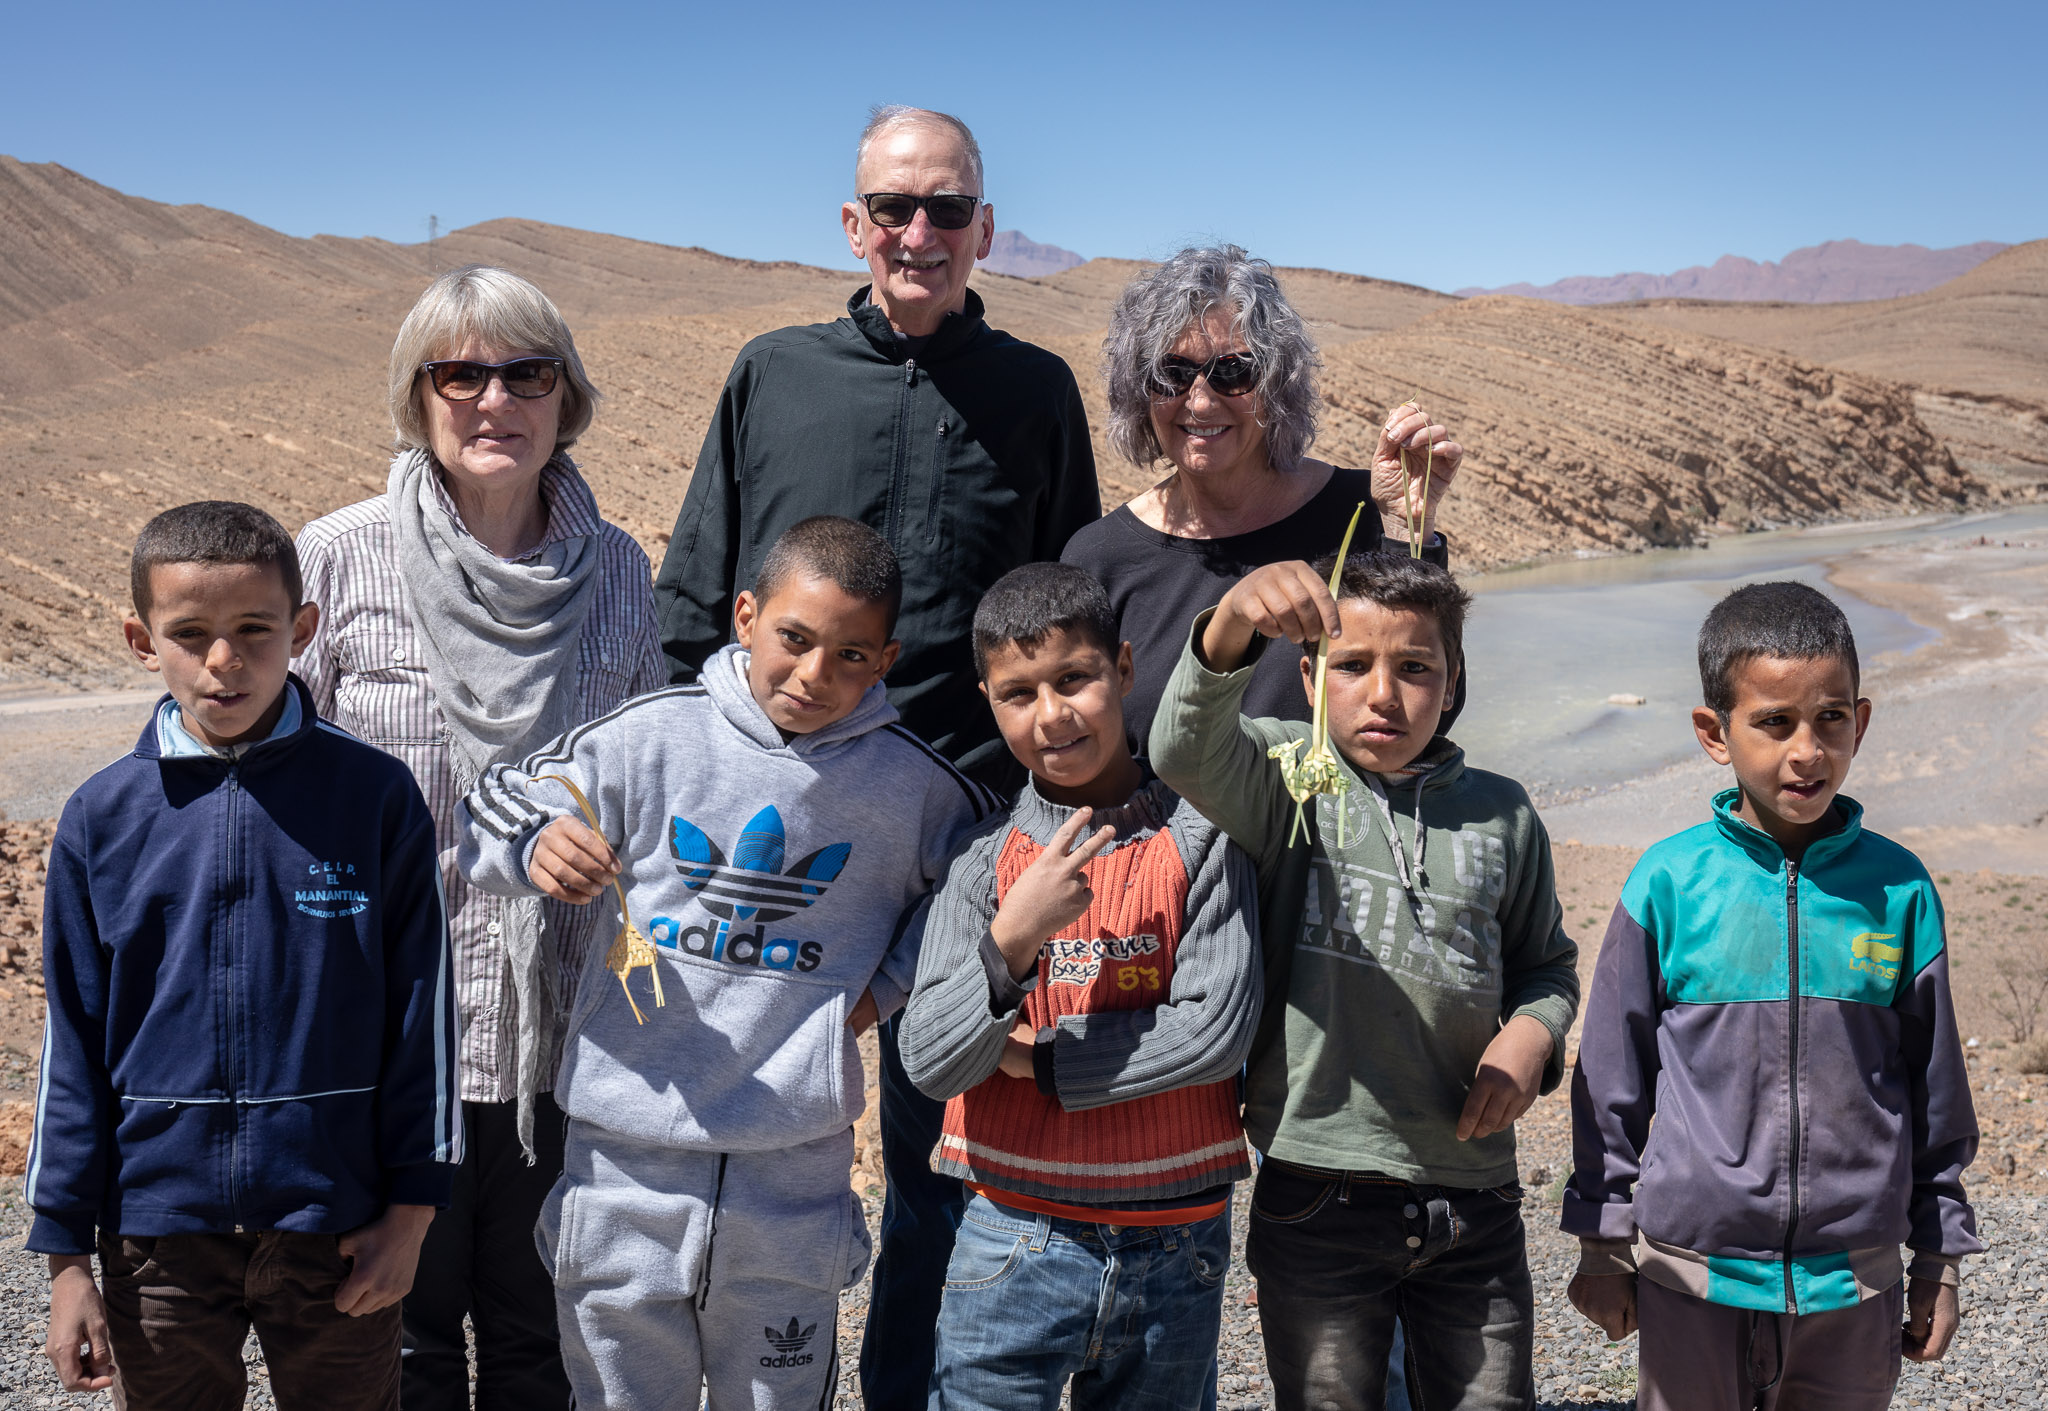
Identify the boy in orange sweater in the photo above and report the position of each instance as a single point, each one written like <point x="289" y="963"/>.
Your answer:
<point x="1088" y="988"/>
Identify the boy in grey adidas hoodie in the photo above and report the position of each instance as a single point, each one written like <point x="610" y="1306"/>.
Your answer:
<point x="775" y="826"/>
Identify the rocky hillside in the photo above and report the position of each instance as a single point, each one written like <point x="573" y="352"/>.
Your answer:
<point x="1584" y="433"/>
<point x="1986" y="331"/>
<point x="160" y="354"/>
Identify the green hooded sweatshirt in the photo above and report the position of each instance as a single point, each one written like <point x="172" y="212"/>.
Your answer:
<point x="1381" y="993"/>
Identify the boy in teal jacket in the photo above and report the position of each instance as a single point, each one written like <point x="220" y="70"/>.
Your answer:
<point x="1773" y="990"/>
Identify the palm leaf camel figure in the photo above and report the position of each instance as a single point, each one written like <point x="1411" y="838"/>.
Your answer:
<point x="631" y="951"/>
<point x="1317" y="771"/>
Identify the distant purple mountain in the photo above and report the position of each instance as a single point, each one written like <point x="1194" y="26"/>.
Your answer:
<point x="1840" y="271"/>
<point x="1015" y="253"/>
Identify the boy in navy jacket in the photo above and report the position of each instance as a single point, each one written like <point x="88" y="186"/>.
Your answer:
<point x="247" y="1102"/>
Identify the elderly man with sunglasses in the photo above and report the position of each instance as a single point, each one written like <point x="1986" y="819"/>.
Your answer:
<point x="968" y="449"/>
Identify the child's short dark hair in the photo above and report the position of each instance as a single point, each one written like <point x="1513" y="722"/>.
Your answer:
<point x="843" y="551"/>
<point x="1787" y="620"/>
<point x="1029" y="604"/>
<point x="213" y="531"/>
<point x="1397" y="581"/>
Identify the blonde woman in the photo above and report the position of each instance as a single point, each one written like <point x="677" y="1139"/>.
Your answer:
<point x="477" y="609"/>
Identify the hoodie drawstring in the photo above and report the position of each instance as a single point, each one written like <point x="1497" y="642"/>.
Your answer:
<point x="1412" y="878"/>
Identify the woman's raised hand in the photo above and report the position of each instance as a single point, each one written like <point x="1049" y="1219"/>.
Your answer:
<point x="1397" y="486"/>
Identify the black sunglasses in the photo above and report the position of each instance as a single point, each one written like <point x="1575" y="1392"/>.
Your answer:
<point x="894" y="209"/>
<point x="1228" y="375"/>
<point x="459" y="380"/>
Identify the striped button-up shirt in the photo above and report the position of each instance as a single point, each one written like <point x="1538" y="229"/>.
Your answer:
<point x="368" y="675"/>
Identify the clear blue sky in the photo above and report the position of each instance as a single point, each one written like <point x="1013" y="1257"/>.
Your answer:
<point x="1447" y="145"/>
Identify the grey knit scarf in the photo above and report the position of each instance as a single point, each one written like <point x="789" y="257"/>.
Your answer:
<point x="500" y="638"/>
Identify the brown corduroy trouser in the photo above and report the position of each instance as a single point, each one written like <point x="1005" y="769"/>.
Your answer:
<point x="180" y="1306"/>
<point x="1701" y="1356"/>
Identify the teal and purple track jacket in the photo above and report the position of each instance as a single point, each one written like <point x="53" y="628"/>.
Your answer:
<point x="1788" y="1025"/>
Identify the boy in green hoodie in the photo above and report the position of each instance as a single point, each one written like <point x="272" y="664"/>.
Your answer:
<point x="1419" y="985"/>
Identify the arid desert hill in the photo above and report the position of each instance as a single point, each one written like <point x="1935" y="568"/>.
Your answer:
<point x="155" y="354"/>
<point x="1833" y="272"/>
<point x="1976" y="349"/>
<point x="1985" y="331"/>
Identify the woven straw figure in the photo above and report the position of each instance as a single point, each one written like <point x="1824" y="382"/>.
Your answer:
<point x="631" y="951"/>
<point x="1317" y="771"/>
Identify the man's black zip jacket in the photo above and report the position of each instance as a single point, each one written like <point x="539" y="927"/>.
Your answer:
<point x="970" y="456"/>
<point x="251" y="1022"/>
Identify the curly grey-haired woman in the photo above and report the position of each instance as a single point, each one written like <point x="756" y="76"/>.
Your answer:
<point x="1210" y="369"/>
<point x="473" y="612"/>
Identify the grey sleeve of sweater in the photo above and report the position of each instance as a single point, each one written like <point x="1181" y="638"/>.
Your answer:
<point x="954" y="810"/>
<point x="1204" y="1030"/>
<point x="954" y="1027"/>
<point x="962" y="1009"/>
<point x="501" y="819"/>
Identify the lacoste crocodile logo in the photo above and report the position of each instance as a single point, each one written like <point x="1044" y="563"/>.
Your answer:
<point x="789" y="1345"/>
<point x="1869" y="955"/>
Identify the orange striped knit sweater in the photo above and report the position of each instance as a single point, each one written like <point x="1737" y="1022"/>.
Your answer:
<point x="1164" y="956"/>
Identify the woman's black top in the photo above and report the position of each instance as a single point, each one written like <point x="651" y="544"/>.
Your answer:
<point x="1159" y="582"/>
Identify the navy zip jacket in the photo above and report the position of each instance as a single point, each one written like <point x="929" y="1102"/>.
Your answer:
<point x="251" y="1019"/>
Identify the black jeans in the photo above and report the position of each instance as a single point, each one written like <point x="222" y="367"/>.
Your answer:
<point x="921" y="1211"/>
<point x="479" y="1259"/>
<point x="1340" y="1255"/>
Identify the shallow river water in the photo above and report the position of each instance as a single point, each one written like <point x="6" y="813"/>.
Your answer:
<point x="1546" y="646"/>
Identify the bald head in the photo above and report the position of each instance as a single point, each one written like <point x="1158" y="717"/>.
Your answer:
<point x="887" y="120"/>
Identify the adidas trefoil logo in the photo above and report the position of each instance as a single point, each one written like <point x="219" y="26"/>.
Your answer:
<point x="748" y="894"/>
<point x="753" y="886"/>
<point x="789" y="1345"/>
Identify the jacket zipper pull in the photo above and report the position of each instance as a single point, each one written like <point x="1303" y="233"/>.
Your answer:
<point x="910" y="372"/>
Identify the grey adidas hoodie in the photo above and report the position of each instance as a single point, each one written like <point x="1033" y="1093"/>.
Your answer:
<point x="775" y="880"/>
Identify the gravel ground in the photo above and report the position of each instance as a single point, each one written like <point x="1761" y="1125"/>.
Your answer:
<point x="2000" y="1358"/>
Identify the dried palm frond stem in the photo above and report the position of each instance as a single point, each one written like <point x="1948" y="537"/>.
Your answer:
<point x="631" y="951"/>
<point x="1417" y="509"/>
<point x="1317" y="771"/>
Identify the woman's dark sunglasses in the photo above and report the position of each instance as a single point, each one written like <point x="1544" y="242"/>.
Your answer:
<point x="1228" y="375"/>
<point x="894" y="209"/>
<point x="459" y="380"/>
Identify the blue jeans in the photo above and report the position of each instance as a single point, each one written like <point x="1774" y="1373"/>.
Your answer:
<point x="1340" y="1255"/>
<point x="1131" y="1313"/>
<point x="920" y="1210"/>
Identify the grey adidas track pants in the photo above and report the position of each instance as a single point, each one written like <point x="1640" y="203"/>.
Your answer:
<point x="681" y="1270"/>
